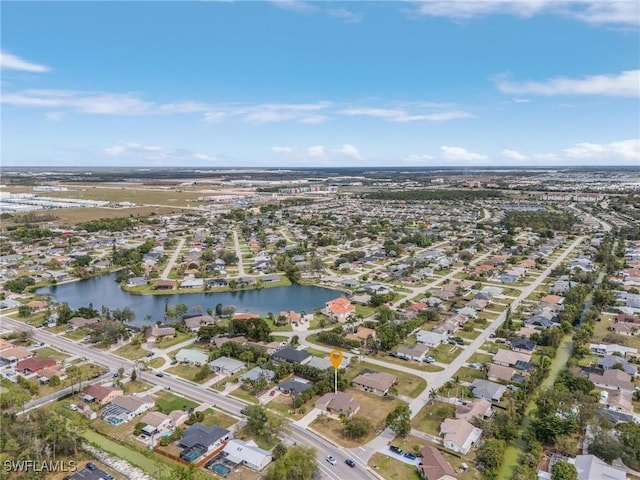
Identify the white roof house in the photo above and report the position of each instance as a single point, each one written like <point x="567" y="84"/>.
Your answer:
<point x="226" y="365"/>
<point x="432" y="339"/>
<point x="189" y="355"/>
<point x="247" y="453"/>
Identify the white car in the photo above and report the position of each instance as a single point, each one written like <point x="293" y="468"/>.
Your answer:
<point x="331" y="460"/>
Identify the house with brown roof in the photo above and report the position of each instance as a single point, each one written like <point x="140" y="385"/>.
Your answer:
<point x="613" y="379"/>
<point x="434" y="466"/>
<point x="416" y="352"/>
<point x="4" y="344"/>
<point x="339" y="309"/>
<point x="245" y="316"/>
<point x="155" y="332"/>
<point x="194" y="323"/>
<point x="34" y="365"/>
<point x="100" y="394"/>
<point x="165" y="285"/>
<point x="500" y="372"/>
<point x="510" y="358"/>
<point x="15" y="354"/>
<point x="156" y="422"/>
<point x="338" y="403"/>
<point x="479" y="408"/>
<point x="80" y="322"/>
<point x="378" y="383"/>
<point x="361" y="334"/>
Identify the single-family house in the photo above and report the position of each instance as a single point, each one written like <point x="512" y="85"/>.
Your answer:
<point x="361" y="335"/>
<point x="238" y="452"/>
<point x="416" y="352"/>
<point x="226" y="365"/>
<point x="198" y="439"/>
<point x="479" y="408"/>
<point x="164" y="285"/>
<point x="15" y="354"/>
<point x="156" y="422"/>
<point x="378" y="383"/>
<point x="194" y="323"/>
<point x="100" y="394"/>
<point x="434" y="466"/>
<point x="192" y="356"/>
<point x="155" y="332"/>
<point x="340" y="403"/>
<point x="124" y="408"/>
<point x="256" y="373"/>
<point x="431" y="339"/>
<point x="590" y="467"/>
<point x="509" y="358"/>
<point x="522" y="345"/>
<point x="32" y="365"/>
<point x="490" y="391"/>
<point x="291" y="355"/>
<point x="612" y="380"/>
<point x="295" y="386"/>
<point x="459" y="435"/>
<point x="603" y="349"/>
<point x="500" y="372"/>
<point x="339" y="309"/>
<point x="609" y="362"/>
<point x="80" y="322"/>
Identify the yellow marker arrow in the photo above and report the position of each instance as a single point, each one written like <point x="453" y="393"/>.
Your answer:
<point x="336" y="358"/>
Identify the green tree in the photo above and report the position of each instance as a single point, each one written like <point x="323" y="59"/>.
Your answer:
<point x="299" y="463"/>
<point x="399" y="420"/>
<point x="357" y="426"/>
<point x="564" y="471"/>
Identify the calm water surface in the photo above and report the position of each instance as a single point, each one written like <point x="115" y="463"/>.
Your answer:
<point x="104" y="290"/>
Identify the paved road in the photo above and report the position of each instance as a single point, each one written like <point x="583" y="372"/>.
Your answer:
<point x="437" y="379"/>
<point x="199" y="394"/>
<point x="236" y="242"/>
<point x="172" y="260"/>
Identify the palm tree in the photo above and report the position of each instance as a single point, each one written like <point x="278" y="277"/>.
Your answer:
<point x="433" y="394"/>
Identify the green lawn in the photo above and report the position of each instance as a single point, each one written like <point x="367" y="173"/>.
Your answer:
<point x="166" y="342"/>
<point x="131" y="351"/>
<point x="430" y="417"/>
<point x="188" y="372"/>
<point x="216" y="417"/>
<point x="48" y="352"/>
<point x="136" y="387"/>
<point x="168" y="402"/>
<point x="468" y="335"/>
<point x="78" y="334"/>
<point x="364" y="310"/>
<point x="156" y="362"/>
<point x="445" y="353"/>
<point x="392" y="469"/>
<point x="466" y="374"/>
<point x="480" y="358"/>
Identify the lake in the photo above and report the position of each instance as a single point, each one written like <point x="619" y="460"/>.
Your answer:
<point x="104" y="290"/>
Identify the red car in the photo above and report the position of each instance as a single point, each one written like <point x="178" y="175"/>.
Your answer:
<point x="272" y="393"/>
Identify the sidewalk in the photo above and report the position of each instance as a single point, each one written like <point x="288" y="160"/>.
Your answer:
<point x="305" y="421"/>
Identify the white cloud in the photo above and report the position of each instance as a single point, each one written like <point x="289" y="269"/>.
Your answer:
<point x="514" y="155"/>
<point x="349" y="151"/>
<point x="346" y="15"/>
<point x="414" y="158"/>
<point x="623" y="150"/>
<point x="295" y="5"/>
<point x="620" y="12"/>
<point x="316" y="151"/>
<point x="520" y="100"/>
<point x="12" y="62"/>
<point x="204" y="157"/>
<point x="402" y="115"/>
<point x="458" y="154"/>
<point x="132" y="148"/>
<point x="624" y="84"/>
<point x="277" y="149"/>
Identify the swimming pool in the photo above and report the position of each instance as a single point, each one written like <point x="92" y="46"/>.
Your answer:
<point x="220" y="469"/>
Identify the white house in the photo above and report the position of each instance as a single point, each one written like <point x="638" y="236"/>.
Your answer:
<point x="247" y="454"/>
<point x="459" y="435"/>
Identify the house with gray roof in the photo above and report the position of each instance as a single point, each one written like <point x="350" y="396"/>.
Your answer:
<point x="192" y="356"/>
<point x="226" y="365"/>
<point x="198" y="439"/>
<point x="488" y="390"/>
<point x="256" y="373"/>
<point x="291" y="355"/>
<point x="295" y="386"/>
<point x="590" y="467"/>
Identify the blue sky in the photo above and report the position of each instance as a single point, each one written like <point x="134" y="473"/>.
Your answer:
<point x="293" y="83"/>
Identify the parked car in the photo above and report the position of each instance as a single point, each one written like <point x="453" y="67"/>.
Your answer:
<point x="331" y="460"/>
<point x="150" y="354"/>
<point x="91" y="466"/>
<point x="409" y="456"/>
<point x="272" y="393"/>
<point x="159" y="374"/>
<point x="395" y="449"/>
<point x="429" y="360"/>
<point x="350" y="462"/>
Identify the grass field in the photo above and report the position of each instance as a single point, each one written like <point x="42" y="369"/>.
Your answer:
<point x="188" y="372"/>
<point x="131" y="351"/>
<point x="72" y="216"/>
<point x="156" y="362"/>
<point x="133" y="193"/>
<point x="392" y="469"/>
<point x="466" y="374"/>
<point x="430" y="417"/>
<point x="48" y="352"/>
<point x="445" y="353"/>
<point x="168" y="402"/>
<point x="215" y="417"/>
<point x="167" y="342"/>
